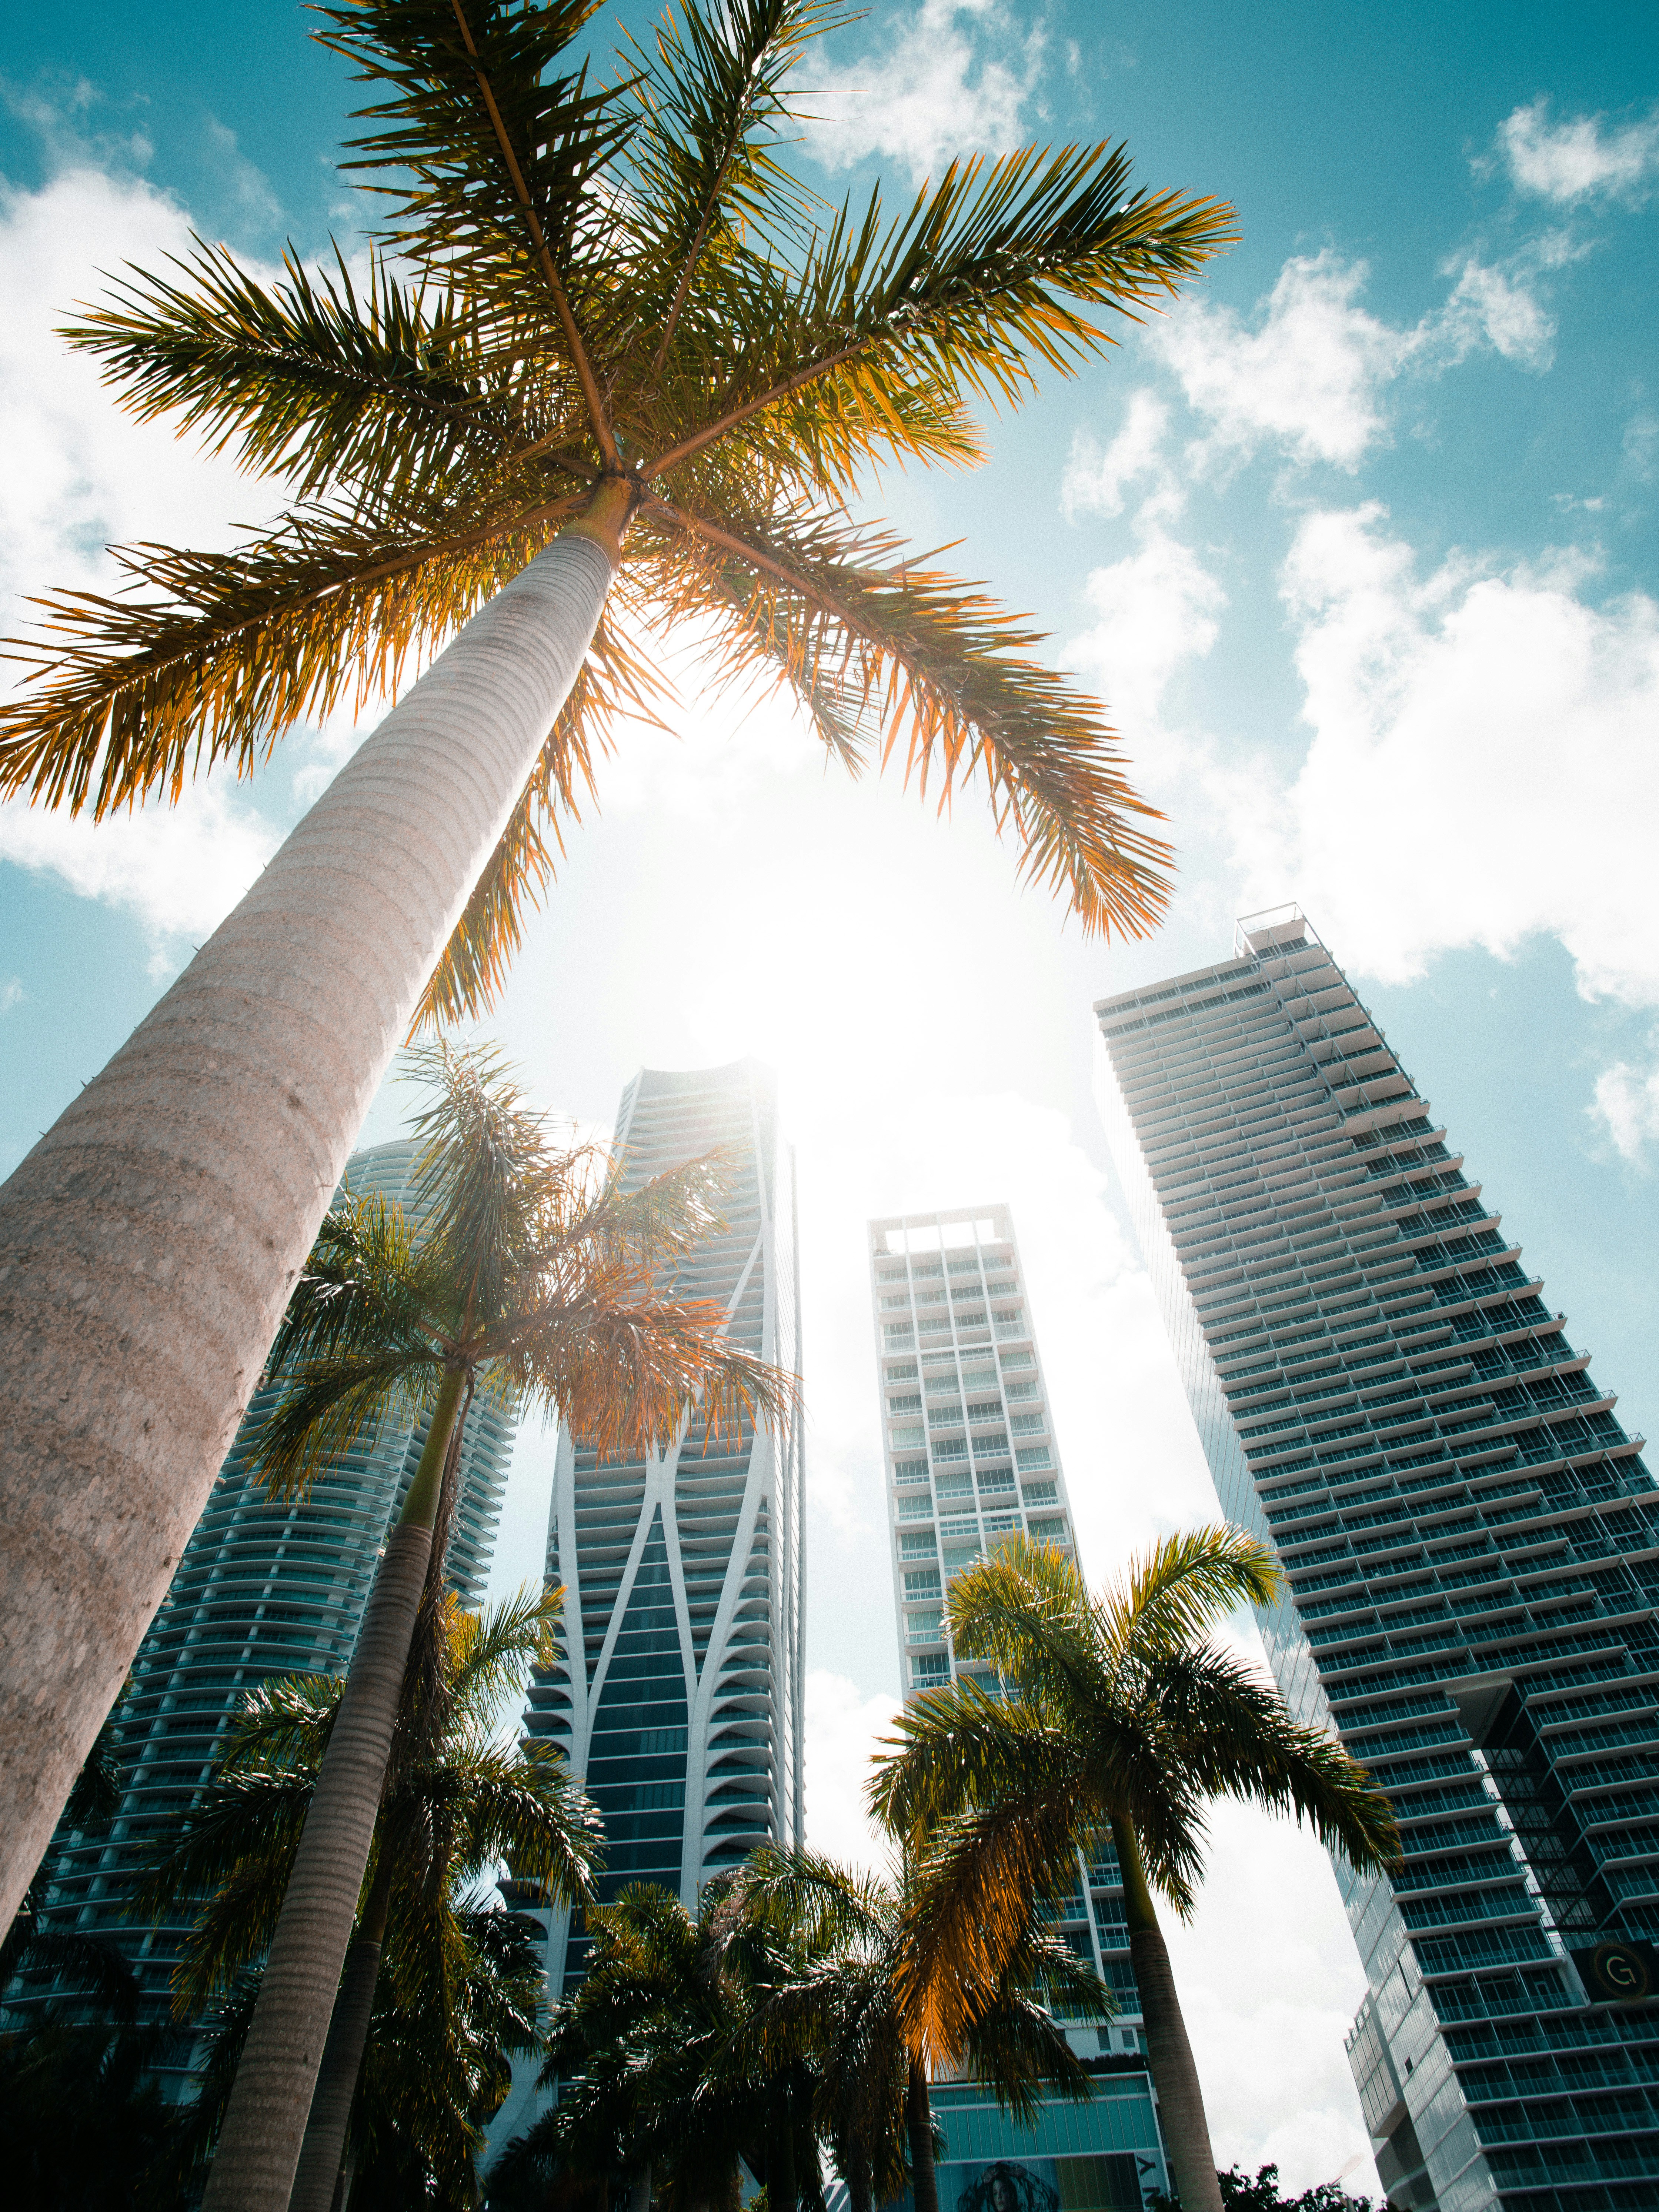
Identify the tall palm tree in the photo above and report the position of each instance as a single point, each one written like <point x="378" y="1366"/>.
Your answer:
<point x="457" y="1804"/>
<point x="532" y="1271"/>
<point x="1128" y="1719"/>
<point x="633" y="351"/>
<point x="887" y="2002"/>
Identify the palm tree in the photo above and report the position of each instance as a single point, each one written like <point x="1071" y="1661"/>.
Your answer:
<point x="456" y="1803"/>
<point x="1125" y="1719"/>
<point x="635" y="351"/>
<point x="664" y="2082"/>
<point x="533" y="1272"/>
<point x="885" y="2003"/>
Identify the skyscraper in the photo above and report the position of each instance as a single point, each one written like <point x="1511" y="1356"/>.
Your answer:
<point x="678" y="1697"/>
<point x="1470" y="1538"/>
<point x="971" y="1455"/>
<point x="264" y="1588"/>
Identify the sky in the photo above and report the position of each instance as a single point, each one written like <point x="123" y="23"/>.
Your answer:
<point x="1360" y="544"/>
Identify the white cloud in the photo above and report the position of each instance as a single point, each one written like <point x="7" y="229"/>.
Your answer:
<point x="1482" y="769"/>
<point x="255" y="205"/>
<point x="12" y="993"/>
<point x="1095" y="479"/>
<point x="1581" y="160"/>
<point x="1310" y="372"/>
<point x="179" y="870"/>
<point x="842" y="1728"/>
<point x="1491" y="307"/>
<point x="1310" y="376"/>
<point x="1626" y="1107"/>
<point x="1154" y="610"/>
<point x="954" y="76"/>
<point x="80" y="473"/>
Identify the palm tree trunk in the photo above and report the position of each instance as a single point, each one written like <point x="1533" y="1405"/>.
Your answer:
<point x="640" y="2200"/>
<point x="323" y="2152"/>
<point x="1169" y="2055"/>
<point x="919" y="2127"/>
<point x="264" y="2124"/>
<point x="149" y="1241"/>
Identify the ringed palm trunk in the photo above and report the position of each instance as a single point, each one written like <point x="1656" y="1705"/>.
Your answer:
<point x="254" y="2166"/>
<point x="316" y="2181"/>
<point x="919" y="2127"/>
<point x="1169" y="2055"/>
<point x="148" y="1243"/>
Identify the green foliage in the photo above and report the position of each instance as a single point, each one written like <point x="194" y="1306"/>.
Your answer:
<point x="615" y="283"/>
<point x="460" y="1985"/>
<point x="1128" y="1719"/>
<point x="1240" y="2193"/>
<point x="83" y="2124"/>
<point x="532" y="1271"/>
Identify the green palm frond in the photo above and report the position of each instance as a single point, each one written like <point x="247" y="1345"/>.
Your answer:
<point x="311" y="379"/>
<point x="617" y="279"/>
<point x="976" y="284"/>
<point x="1177" y="1589"/>
<point x="1236" y="1737"/>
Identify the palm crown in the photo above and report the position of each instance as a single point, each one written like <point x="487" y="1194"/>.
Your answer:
<point x="614" y="302"/>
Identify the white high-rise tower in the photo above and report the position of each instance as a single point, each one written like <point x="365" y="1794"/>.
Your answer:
<point x="678" y="1697"/>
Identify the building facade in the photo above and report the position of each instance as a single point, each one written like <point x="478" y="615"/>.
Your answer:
<point x="1472" y="1546"/>
<point x="678" y="1695"/>
<point x="264" y="1588"/>
<point x="970" y="1456"/>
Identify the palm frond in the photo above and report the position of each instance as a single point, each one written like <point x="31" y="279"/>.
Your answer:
<point x="984" y="280"/>
<point x="311" y="379"/>
<point x="124" y="697"/>
<point x="930" y="663"/>
<point x="1175" y="1592"/>
<point x="1233" y="1733"/>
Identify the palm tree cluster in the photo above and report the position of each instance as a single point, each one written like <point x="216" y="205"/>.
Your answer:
<point x="616" y="385"/>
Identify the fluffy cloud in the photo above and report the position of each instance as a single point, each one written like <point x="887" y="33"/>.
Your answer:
<point x="1097" y="479"/>
<point x="12" y="993"/>
<point x="179" y="870"/>
<point x="80" y="473"/>
<point x="954" y="76"/>
<point x="1576" y="161"/>
<point x="1307" y="375"/>
<point x="1154" y="610"/>
<point x="843" y="1728"/>
<point x="1482" y="767"/>
<point x="1626" y="1108"/>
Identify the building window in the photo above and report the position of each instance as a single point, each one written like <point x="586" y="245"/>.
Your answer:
<point x="1032" y="1455"/>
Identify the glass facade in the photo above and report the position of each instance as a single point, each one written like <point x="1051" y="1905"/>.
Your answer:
<point x="1472" y="1546"/>
<point x="678" y="1697"/>
<point x="970" y="1455"/>
<point x="264" y="1588"/>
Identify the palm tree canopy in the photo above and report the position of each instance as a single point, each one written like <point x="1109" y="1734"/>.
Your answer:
<point x="864" y="1997"/>
<point x="1121" y="1708"/>
<point x="449" y="1817"/>
<point x="528" y="1266"/>
<point x="615" y="297"/>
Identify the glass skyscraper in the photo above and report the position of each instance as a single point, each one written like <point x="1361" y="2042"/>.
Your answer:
<point x="264" y="1588"/>
<point x="970" y="1455"/>
<point x="678" y="1696"/>
<point x="1472" y="1544"/>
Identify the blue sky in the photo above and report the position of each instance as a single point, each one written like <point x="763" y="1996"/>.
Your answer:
<point x="1360" y="545"/>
